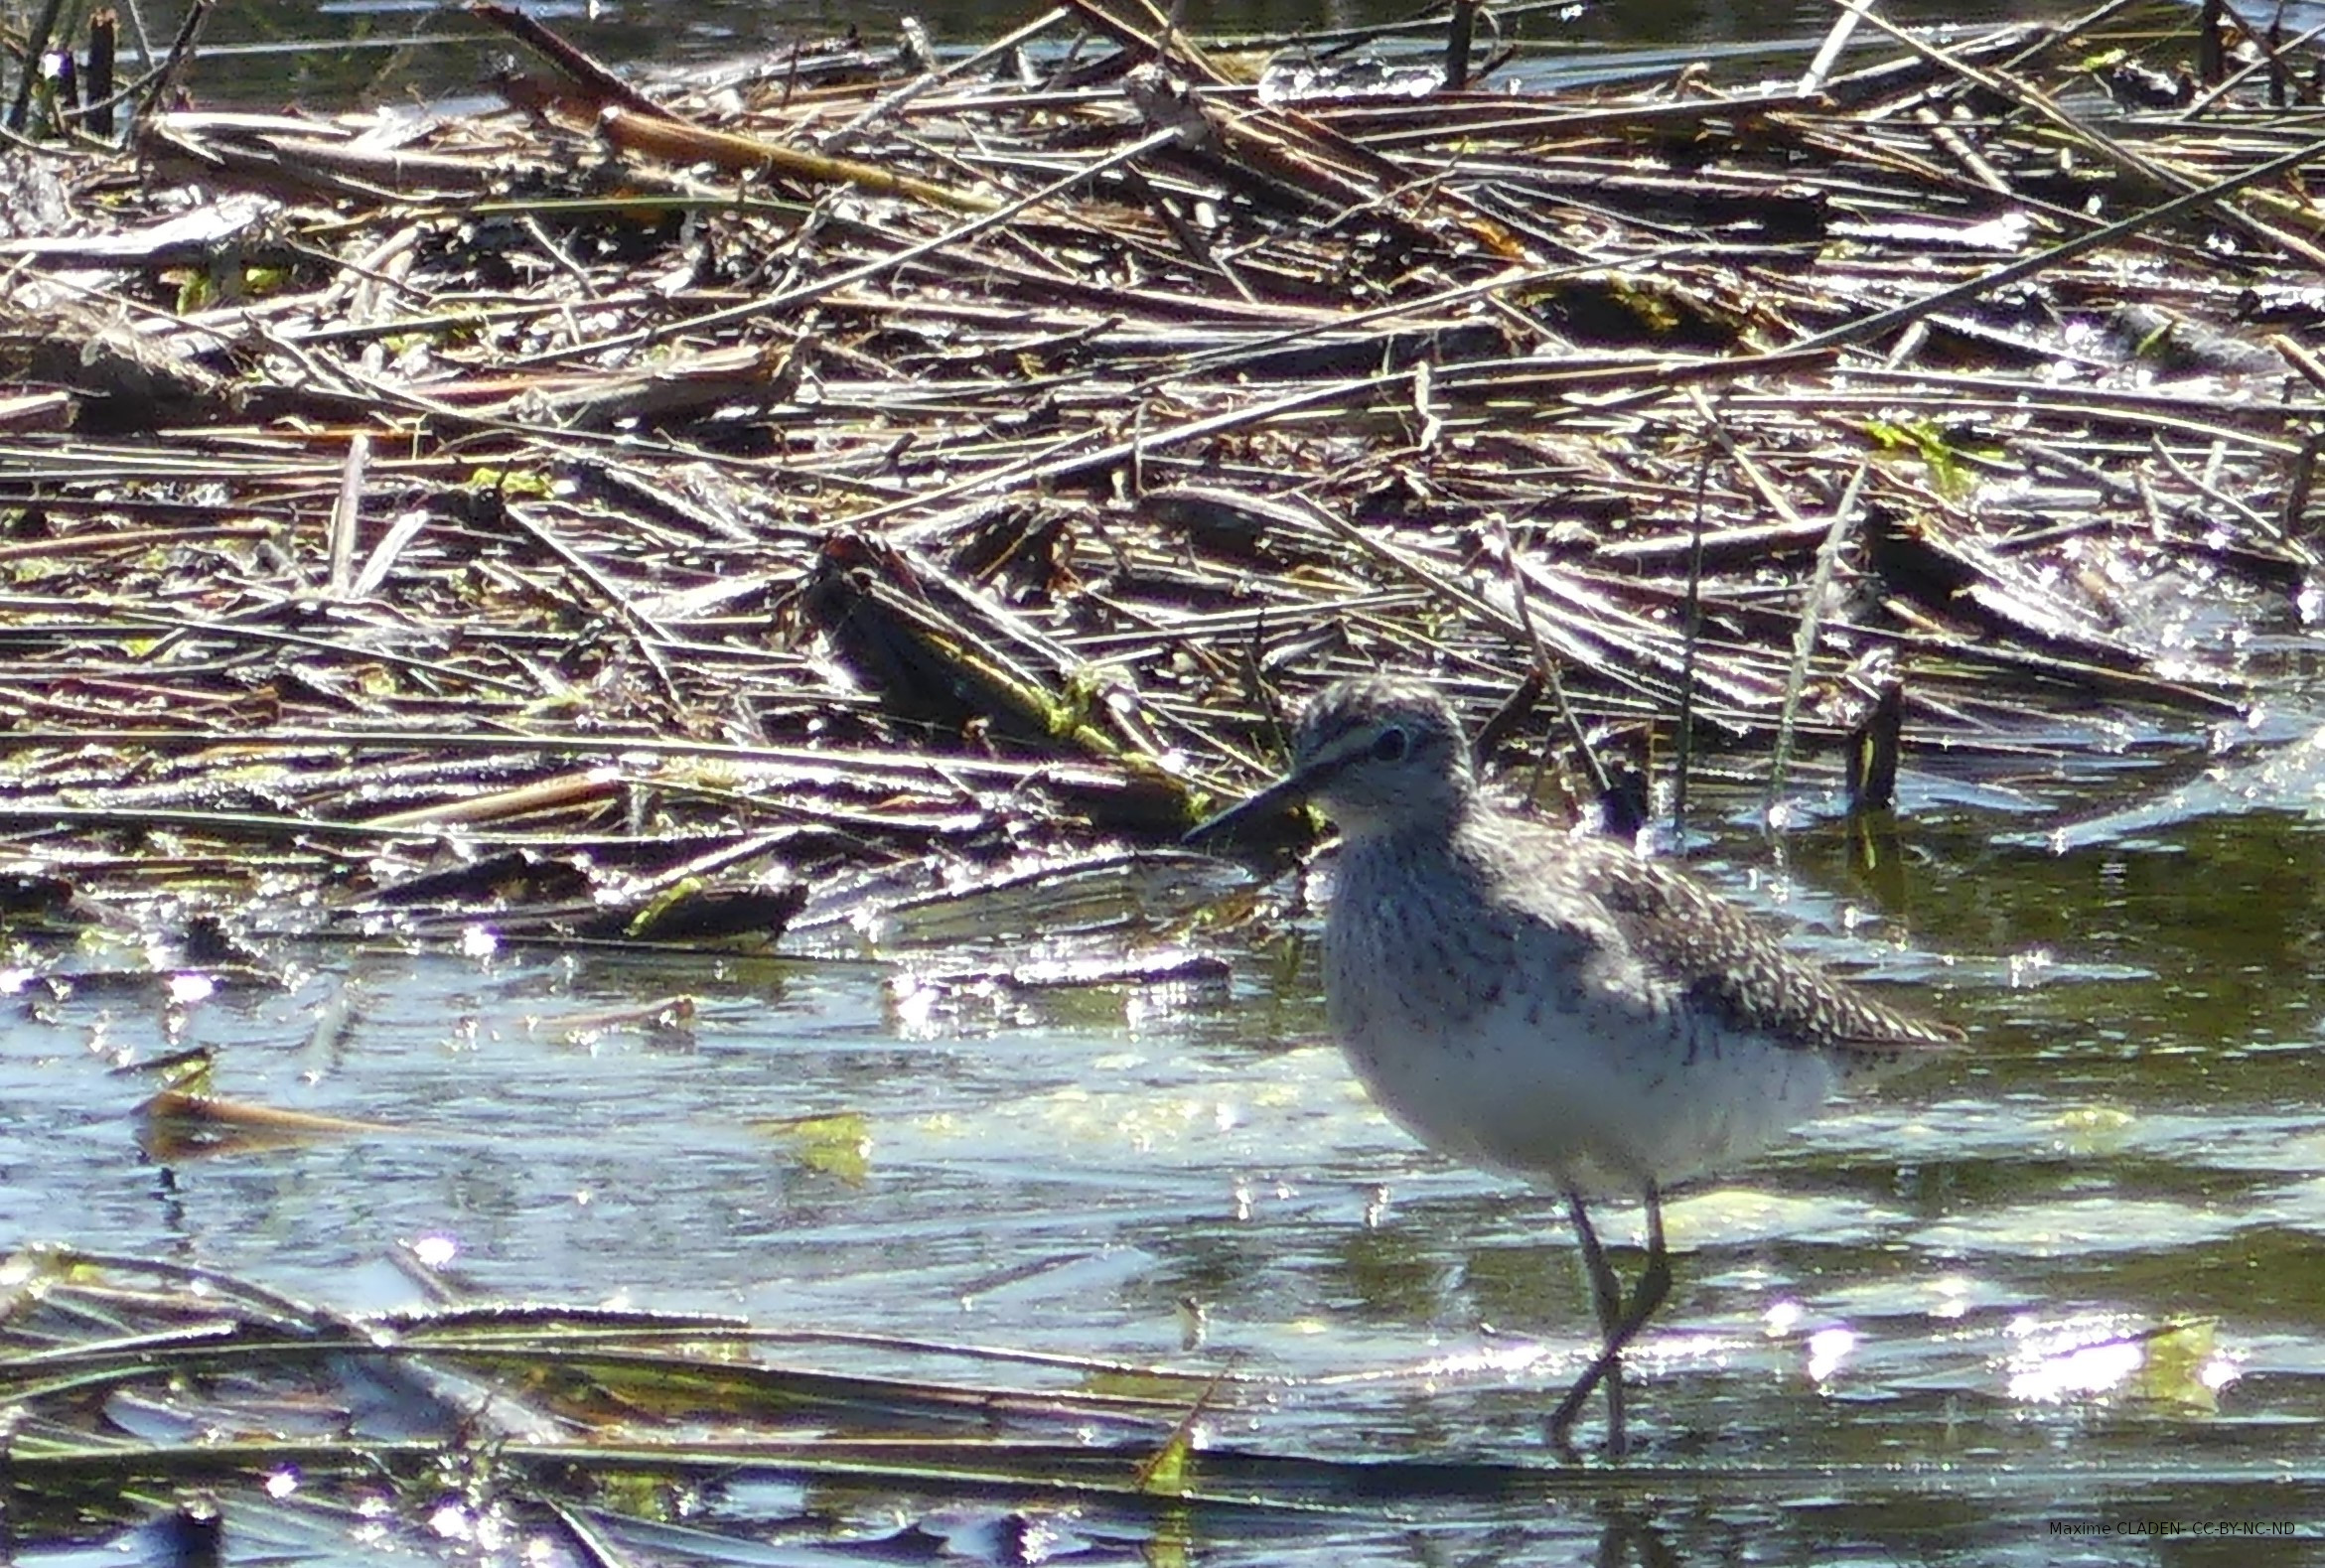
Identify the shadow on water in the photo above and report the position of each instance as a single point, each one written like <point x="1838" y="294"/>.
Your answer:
<point x="2067" y="1281"/>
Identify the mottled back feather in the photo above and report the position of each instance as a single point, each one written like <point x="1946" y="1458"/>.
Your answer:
<point x="1724" y="966"/>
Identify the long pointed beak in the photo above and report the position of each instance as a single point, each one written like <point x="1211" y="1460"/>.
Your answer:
<point x="1269" y="803"/>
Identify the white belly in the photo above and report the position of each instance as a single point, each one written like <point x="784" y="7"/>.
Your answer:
<point x="1582" y="1111"/>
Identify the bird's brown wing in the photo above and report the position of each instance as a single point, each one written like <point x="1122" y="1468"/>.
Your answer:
<point x="1728" y="966"/>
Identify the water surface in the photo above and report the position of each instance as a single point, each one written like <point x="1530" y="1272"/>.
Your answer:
<point x="2074" y="1274"/>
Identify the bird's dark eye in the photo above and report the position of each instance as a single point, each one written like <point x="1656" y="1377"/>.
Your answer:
<point x="1390" y="745"/>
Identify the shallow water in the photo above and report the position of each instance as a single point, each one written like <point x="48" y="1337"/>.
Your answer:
<point x="272" y="54"/>
<point x="1925" y="1327"/>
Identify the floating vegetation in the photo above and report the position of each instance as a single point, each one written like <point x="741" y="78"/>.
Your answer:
<point x="676" y="511"/>
<point x="150" y="1397"/>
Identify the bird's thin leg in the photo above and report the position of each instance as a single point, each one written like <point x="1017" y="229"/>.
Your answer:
<point x="1655" y="1281"/>
<point x="1655" y="1284"/>
<point x="1606" y="1291"/>
<point x="1606" y="1297"/>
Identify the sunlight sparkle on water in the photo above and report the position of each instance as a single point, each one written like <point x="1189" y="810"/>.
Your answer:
<point x="2030" y="967"/>
<point x="1828" y="1348"/>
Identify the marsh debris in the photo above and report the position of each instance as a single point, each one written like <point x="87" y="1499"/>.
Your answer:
<point x="623" y="512"/>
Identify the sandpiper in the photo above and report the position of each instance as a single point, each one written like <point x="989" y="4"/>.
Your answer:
<point x="1553" y="1006"/>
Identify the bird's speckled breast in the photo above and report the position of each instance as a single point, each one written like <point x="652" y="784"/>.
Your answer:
<point x="1409" y="942"/>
